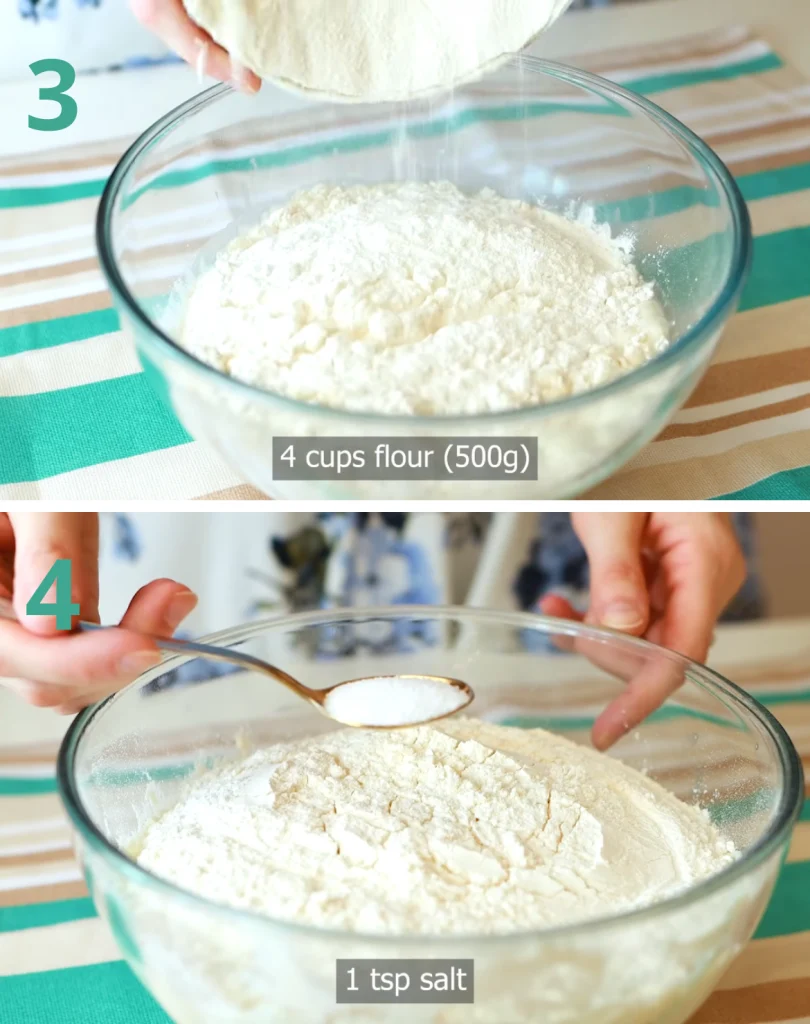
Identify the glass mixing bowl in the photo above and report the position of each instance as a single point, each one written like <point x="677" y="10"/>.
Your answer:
<point x="534" y="130"/>
<point x="125" y="760"/>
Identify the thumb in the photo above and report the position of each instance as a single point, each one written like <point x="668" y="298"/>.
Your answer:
<point x="612" y="541"/>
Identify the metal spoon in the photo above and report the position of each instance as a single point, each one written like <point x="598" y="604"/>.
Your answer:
<point x="442" y="705"/>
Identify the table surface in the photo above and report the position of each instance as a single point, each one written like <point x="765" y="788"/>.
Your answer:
<point x="746" y="430"/>
<point x="54" y="950"/>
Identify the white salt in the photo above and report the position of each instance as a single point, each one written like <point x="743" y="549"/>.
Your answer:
<point x="393" y="700"/>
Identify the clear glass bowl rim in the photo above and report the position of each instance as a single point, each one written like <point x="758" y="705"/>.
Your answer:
<point x="790" y="804"/>
<point x="726" y="299"/>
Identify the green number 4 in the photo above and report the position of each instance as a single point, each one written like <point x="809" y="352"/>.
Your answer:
<point x="59" y="575"/>
<point x="67" y="105"/>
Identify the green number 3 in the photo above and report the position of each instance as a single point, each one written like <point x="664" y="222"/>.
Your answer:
<point x="69" y="110"/>
<point x="63" y="608"/>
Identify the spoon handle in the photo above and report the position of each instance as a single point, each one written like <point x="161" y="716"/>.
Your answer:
<point x="180" y="646"/>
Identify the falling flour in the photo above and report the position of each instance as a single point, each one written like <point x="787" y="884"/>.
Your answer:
<point x="416" y="298"/>
<point x="459" y="828"/>
<point x="361" y="50"/>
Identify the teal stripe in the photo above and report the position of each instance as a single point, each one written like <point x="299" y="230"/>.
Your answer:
<point x="47" y="195"/>
<point x="40" y="915"/>
<point x="789" y="909"/>
<point x="759" y="185"/>
<point x="26" y="787"/>
<point x="789" y="485"/>
<point x="59" y="331"/>
<point x="780" y="270"/>
<point x="100" y="994"/>
<point x="60" y="431"/>
<point x="682" y="79"/>
<point x="778" y="182"/>
<point x="36" y="196"/>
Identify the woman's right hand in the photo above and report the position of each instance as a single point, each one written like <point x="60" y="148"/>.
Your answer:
<point x="68" y="671"/>
<point x="169" y="20"/>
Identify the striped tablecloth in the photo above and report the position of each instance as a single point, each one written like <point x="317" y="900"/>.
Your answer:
<point x="58" y="961"/>
<point x="79" y="420"/>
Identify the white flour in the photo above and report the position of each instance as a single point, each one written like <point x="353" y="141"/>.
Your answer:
<point x="393" y="700"/>
<point x="415" y="298"/>
<point x="373" y="49"/>
<point x="463" y="827"/>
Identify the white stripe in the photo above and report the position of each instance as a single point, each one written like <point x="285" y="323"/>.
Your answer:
<point x="103" y="357"/>
<point x="28" y="771"/>
<point x="56" y="947"/>
<point x="28" y="849"/>
<point x="23" y="295"/>
<point x="748" y="51"/>
<point x="681" y="449"/>
<point x="698" y="413"/>
<point x="14" y="243"/>
<point x="172" y="474"/>
<point x="49" y="258"/>
<point x="54" y="876"/>
<point x="28" y="827"/>
<point x="43" y="179"/>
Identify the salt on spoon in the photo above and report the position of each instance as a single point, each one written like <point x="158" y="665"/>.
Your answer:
<point x="377" y="702"/>
<point x="390" y="702"/>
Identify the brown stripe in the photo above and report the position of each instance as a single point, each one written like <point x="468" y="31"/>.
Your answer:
<point x="715" y="138"/>
<point x="742" y="377"/>
<point x="707" y="475"/>
<point x="49" y="272"/>
<point x="756" y="1004"/>
<point x="21" y="860"/>
<point x="772" y="127"/>
<point x="30" y="753"/>
<point x="74" y="158"/>
<point x="703" y="44"/>
<point x="43" y="894"/>
<point x="242" y="492"/>
<point x="771" y="162"/>
<point x="59" y="307"/>
<point x="765" y="412"/>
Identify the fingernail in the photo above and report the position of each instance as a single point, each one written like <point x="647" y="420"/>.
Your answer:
<point x="179" y="607"/>
<point x="136" y="662"/>
<point x="249" y="88"/>
<point x="622" y="615"/>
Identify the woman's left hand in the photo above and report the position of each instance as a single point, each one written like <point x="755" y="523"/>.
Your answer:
<point x="664" y="576"/>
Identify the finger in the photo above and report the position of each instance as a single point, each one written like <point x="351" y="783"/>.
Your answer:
<point x="694" y="604"/>
<point x="41" y="538"/>
<point x="169" y="20"/>
<point x="82" y="663"/>
<point x="687" y="627"/>
<point x="646" y="691"/>
<point x="159" y="608"/>
<point x="618" y="590"/>
<point x="48" y="695"/>
<point x="559" y="608"/>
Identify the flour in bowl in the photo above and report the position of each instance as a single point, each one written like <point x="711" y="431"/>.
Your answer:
<point x="416" y="298"/>
<point x="362" y="50"/>
<point x="458" y="828"/>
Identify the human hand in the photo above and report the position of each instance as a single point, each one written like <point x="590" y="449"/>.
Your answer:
<point x="169" y="20"/>
<point x="69" y="671"/>
<point x="664" y="576"/>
